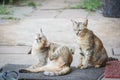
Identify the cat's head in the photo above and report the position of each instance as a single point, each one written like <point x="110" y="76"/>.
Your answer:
<point x="79" y="26"/>
<point x="41" y="39"/>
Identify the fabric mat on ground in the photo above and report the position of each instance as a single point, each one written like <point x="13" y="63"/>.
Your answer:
<point x="112" y="69"/>
<point x="76" y="74"/>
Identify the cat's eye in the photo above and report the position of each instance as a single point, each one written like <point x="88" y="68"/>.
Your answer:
<point x="39" y="38"/>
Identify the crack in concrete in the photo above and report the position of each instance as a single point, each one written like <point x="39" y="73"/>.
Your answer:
<point x="60" y="11"/>
<point x="56" y="9"/>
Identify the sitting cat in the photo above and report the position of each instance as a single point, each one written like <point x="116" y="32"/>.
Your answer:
<point x="60" y="58"/>
<point x="40" y="50"/>
<point x="92" y="49"/>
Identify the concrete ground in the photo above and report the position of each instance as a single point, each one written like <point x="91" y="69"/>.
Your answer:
<point x="54" y="17"/>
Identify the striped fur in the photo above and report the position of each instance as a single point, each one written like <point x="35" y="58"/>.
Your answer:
<point x="59" y="57"/>
<point x="92" y="49"/>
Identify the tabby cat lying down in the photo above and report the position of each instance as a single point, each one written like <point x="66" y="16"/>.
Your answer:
<point x="53" y="59"/>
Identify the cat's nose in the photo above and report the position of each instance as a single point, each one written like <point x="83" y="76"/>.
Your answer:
<point x="77" y="33"/>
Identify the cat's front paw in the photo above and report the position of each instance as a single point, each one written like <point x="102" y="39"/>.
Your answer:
<point x="49" y="73"/>
<point x="79" y="66"/>
<point x="83" y="67"/>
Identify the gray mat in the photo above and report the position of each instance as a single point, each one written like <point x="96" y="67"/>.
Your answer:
<point x="76" y="74"/>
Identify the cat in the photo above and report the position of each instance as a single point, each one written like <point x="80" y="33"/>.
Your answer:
<point x="91" y="47"/>
<point x="40" y="50"/>
<point x="60" y="58"/>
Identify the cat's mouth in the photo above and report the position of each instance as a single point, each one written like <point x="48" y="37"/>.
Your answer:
<point x="77" y="33"/>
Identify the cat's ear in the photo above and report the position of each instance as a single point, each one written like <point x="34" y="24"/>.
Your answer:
<point x="74" y="23"/>
<point x="41" y="32"/>
<point x="85" y="23"/>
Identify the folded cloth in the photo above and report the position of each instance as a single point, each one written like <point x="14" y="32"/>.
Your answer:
<point x="11" y="75"/>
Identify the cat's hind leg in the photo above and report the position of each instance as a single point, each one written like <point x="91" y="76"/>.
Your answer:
<point x="63" y="71"/>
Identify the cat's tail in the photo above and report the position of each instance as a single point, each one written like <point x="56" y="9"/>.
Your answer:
<point x="112" y="58"/>
<point x="64" y="71"/>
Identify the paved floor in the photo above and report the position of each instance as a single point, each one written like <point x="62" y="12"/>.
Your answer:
<point x="54" y="16"/>
<point x="18" y="55"/>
